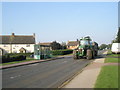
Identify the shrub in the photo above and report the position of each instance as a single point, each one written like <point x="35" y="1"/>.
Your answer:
<point x="17" y="54"/>
<point x="7" y="58"/>
<point x="62" y="52"/>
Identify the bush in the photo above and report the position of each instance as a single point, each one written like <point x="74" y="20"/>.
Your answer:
<point x="7" y="58"/>
<point x="62" y="52"/>
<point x="18" y="54"/>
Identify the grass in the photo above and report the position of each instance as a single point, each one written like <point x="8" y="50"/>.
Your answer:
<point x="112" y="60"/>
<point x="109" y="51"/>
<point x="114" y="55"/>
<point x="108" y="77"/>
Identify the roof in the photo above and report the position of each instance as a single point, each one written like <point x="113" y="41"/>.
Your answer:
<point x="72" y="43"/>
<point x="46" y="43"/>
<point x="17" y="39"/>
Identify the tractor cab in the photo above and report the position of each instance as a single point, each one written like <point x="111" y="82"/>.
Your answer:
<point x="85" y="42"/>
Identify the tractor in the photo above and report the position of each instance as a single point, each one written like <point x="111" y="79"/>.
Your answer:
<point x="86" y="49"/>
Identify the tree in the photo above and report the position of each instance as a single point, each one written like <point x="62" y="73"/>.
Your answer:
<point x="55" y="45"/>
<point x="64" y="46"/>
<point x="118" y="36"/>
<point x="103" y="46"/>
<point x="117" y="39"/>
<point x="109" y="46"/>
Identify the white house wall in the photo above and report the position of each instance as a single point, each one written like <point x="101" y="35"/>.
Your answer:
<point x="5" y="47"/>
<point x="17" y="47"/>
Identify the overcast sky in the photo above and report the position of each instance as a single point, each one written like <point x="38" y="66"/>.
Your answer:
<point x="61" y="21"/>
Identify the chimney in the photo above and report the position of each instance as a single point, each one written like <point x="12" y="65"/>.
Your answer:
<point x="34" y="35"/>
<point x="77" y="40"/>
<point x="13" y="34"/>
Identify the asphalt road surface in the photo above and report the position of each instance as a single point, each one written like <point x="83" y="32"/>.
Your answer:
<point x="49" y="74"/>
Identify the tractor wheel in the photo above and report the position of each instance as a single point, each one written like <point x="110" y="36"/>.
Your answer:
<point x="75" y="56"/>
<point x="96" y="53"/>
<point x="89" y="54"/>
<point x="93" y="54"/>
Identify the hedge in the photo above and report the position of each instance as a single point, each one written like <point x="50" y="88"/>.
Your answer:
<point x="62" y="52"/>
<point x="17" y="54"/>
<point x="8" y="58"/>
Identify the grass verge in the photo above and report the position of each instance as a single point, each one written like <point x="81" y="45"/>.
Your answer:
<point x="108" y="77"/>
<point x="113" y="57"/>
<point x="112" y="60"/>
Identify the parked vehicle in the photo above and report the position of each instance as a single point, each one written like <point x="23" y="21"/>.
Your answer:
<point x="87" y="48"/>
<point x="115" y="48"/>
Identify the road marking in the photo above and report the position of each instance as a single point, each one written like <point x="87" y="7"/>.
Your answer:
<point x="15" y="77"/>
<point x="11" y="77"/>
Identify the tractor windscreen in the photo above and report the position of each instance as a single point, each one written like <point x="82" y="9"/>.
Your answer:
<point x="84" y="42"/>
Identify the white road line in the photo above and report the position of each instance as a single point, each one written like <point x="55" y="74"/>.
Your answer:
<point x="15" y="76"/>
<point x="11" y="77"/>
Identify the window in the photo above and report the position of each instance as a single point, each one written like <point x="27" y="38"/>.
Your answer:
<point x="7" y="51"/>
<point x="84" y="42"/>
<point x="28" y="51"/>
<point x="14" y="51"/>
<point x="16" y="46"/>
<point x="5" y="46"/>
<point x="28" y="45"/>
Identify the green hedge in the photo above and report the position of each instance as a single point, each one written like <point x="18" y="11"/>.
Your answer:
<point x="17" y="54"/>
<point x="8" y="58"/>
<point x="62" y="52"/>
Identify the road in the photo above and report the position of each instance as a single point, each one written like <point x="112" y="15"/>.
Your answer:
<point x="49" y="74"/>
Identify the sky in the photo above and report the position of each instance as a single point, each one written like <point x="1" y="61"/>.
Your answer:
<point x="61" y="21"/>
<point x="119" y="14"/>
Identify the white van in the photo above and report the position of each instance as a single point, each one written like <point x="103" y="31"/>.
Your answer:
<point x="115" y="48"/>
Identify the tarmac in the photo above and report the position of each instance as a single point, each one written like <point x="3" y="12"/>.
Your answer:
<point x="84" y="79"/>
<point x="88" y="76"/>
<point x="29" y="62"/>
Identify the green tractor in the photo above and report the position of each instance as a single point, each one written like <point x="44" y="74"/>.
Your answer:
<point x="86" y="49"/>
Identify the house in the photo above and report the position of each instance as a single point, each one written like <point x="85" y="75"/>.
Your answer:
<point x="46" y="44"/>
<point x="17" y="43"/>
<point x="72" y="44"/>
